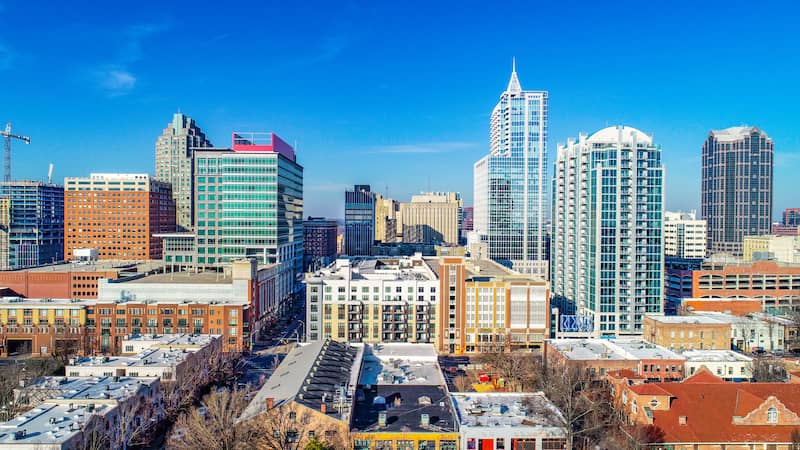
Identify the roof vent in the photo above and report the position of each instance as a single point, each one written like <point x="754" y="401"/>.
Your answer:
<point x="424" y="400"/>
<point x="424" y="420"/>
<point x="382" y="419"/>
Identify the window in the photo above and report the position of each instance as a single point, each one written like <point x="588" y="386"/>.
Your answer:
<point x="772" y="415"/>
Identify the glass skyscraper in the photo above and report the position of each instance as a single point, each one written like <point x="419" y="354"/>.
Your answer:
<point x="249" y="202"/>
<point x="510" y="185"/>
<point x="736" y="190"/>
<point x="31" y="224"/>
<point x="359" y="220"/>
<point x="607" y="239"/>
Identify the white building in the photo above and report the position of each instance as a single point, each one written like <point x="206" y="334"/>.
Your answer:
<point x="83" y="413"/>
<point x="607" y="250"/>
<point x="750" y="334"/>
<point x="726" y="364"/>
<point x="501" y="420"/>
<point x="784" y="249"/>
<point x="684" y="235"/>
<point x="511" y="182"/>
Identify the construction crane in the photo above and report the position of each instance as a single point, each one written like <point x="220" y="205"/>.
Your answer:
<point x="7" y="153"/>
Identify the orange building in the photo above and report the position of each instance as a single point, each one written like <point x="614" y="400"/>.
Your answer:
<point x="735" y="306"/>
<point x="704" y="412"/>
<point x="687" y="332"/>
<point x="117" y="214"/>
<point x="776" y="285"/>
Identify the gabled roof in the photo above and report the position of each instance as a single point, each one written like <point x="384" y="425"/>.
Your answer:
<point x="648" y="389"/>
<point x="703" y="376"/>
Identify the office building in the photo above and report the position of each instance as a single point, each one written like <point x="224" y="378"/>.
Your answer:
<point x="249" y="202"/>
<point x="736" y="189"/>
<point x="175" y="164"/>
<point x="607" y="246"/>
<point x="784" y="249"/>
<point x="511" y="182"/>
<point x="359" y="220"/>
<point x="431" y="218"/>
<point x="678" y="281"/>
<point x="319" y="242"/>
<point x="467" y="221"/>
<point x="684" y="235"/>
<point x="31" y="224"/>
<point x="693" y="332"/>
<point x="386" y="215"/>
<point x="117" y="215"/>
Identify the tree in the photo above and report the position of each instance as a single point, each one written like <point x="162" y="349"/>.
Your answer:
<point x="768" y="369"/>
<point x="462" y="383"/>
<point x="215" y="424"/>
<point x="587" y="409"/>
<point x="314" y="444"/>
<point x="519" y="369"/>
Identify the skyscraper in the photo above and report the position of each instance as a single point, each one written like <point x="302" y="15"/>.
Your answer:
<point x="319" y="242"/>
<point x="607" y="245"/>
<point x="431" y="218"/>
<point x="684" y="235"/>
<point x="31" y="224"/>
<point x="249" y="202"/>
<point x="359" y="220"/>
<point x="174" y="165"/>
<point x="736" y="189"/>
<point x="510" y="182"/>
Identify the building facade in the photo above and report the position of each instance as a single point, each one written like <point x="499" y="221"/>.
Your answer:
<point x="510" y="183"/>
<point x="319" y="242"/>
<point x="249" y="202"/>
<point x="692" y="332"/>
<point x="31" y="224"/>
<point x="431" y="218"/>
<point x="684" y="235"/>
<point x="386" y="214"/>
<point x="175" y="164"/>
<point x="784" y="249"/>
<point x="359" y="220"/>
<point x="118" y="215"/>
<point x="607" y="244"/>
<point x="736" y="189"/>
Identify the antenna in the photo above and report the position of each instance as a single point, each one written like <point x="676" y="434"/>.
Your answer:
<point x="513" y="63"/>
<point x="50" y="174"/>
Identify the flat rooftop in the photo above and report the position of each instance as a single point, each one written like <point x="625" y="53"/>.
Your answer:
<point x="405" y="407"/>
<point x="154" y="357"/>
<point x="86" y="388"/>
<point x="99" y="266"/>
<point x="176" y="340"/>
<point x="715" y="356"/>
<point x="687" y="320"/>
<point x="611" y="349"/>
<point x="378" y="268"/>
<point x="34" y="303"/>
<point x="400" y="364"/>
<point x="209" y="277"/>
<point x="507" y="410"/>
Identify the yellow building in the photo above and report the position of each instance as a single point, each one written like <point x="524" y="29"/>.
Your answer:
<point x="386" y="211"/>
<point x="431" y="218"/>
<point x="785" y="249"/>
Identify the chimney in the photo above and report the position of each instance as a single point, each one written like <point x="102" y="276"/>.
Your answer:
<point x="682" y="420"/>
<point x="270" y="402"/>
<point x="323" y="408"/>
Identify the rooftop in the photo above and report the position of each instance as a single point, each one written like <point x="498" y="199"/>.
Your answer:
<point x="611" y="349"/>
<point x="400" y="364"/>
<point x="210" y="277"/>
<point x="502" y="409"/>
<point x="321" y="369"/>
<point x="152" y="357"/>
<point x="55" y="389"/>
<point x="405" y="408"/>
<point x="99" y="266"/>
<point x="189" y="341"/>
<point x="715" y="356"/>
<point x="734" y="133"/>
<point x="45" y="302"/>
<point x="387" y="269"/>
<point x="620" y="133"/>
<point x="690" y="319"/>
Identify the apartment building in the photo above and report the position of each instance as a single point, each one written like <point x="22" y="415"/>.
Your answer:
<point x="684" y="235"/>
<point x="118" y="215"/>
<point x="693" y="332"/>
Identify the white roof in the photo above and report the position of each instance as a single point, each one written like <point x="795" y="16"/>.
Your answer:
<point x="623" y="134"/>
<point x="401" y="364"/>
<point x="506" y="410"/>
<point x="734" y="133"/>
<point x="611" y="349"/>
<point x="700" y="356"/>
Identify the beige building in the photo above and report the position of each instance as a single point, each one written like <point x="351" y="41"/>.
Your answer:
<point x="785" y="249"/>
<point x="386" y="211"/>
<point x="430" y="218"/>
<point x="684" y="235"/>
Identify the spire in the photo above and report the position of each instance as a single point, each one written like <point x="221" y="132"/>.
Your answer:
<point x="513" y="84"/>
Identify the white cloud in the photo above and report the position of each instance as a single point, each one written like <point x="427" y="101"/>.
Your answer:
<point x="432" y="147"/>
<point x="115" y="80"/>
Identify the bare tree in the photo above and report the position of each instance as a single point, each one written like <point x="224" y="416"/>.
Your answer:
<point x="138" y="422"/>
<point x="520" y="369"/>
<point x="215" y="425"/>
<point x="462" y="383"/>
<point x="768" y="369"/>
<point x="587" y="409"/>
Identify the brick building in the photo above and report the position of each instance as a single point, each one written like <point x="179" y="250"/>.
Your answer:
<point x="117" y="214"/>
<point x="693" y="332"/>
<point x="704" y="412"/>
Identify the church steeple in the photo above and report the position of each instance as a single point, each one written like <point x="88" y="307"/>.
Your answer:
<point x="513" y="83"/>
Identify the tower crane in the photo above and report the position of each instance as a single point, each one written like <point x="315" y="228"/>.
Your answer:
<point x="7" y="152"/>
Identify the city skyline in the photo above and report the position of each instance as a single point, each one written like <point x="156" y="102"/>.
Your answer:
<point x="121" y="84"/>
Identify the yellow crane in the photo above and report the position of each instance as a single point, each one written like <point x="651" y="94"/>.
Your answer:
<point x="7" y="152"/>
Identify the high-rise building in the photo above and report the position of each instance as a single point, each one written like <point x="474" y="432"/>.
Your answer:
<point x="684" y="235"/>
<point x="249" y="202"/>
<point x="31" y="224"/>
<point x="431" y="218"/>
<point x="607" y="251"/>
<point x="791" y="217"/>
<point x="510" y="182"/>
<point x="174" y="164"/>
<point x="118" y="215"/>
<point x="319" y="242"/>
<point x="386" y="211"/>
<point x="736" y="190"/>
<point x="359" y="220"/>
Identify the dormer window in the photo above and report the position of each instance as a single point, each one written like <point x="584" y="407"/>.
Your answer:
<point x="772" y="415"/>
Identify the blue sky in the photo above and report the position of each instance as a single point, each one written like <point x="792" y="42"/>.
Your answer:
<point x="393" y="94"/>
